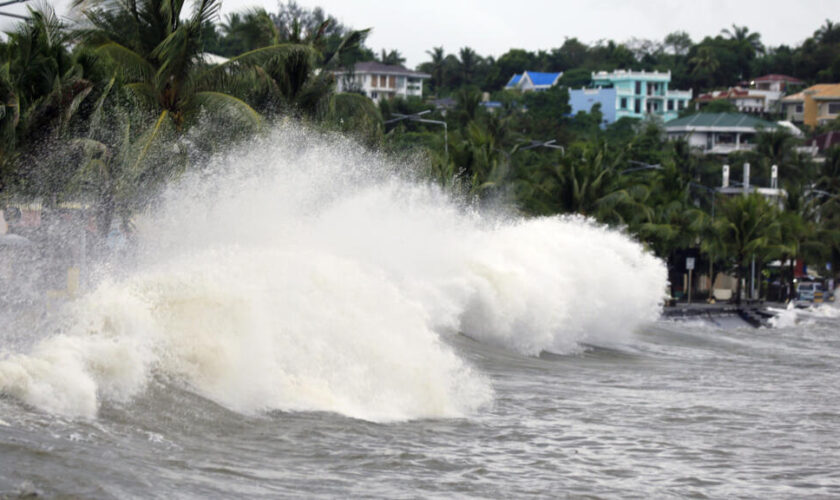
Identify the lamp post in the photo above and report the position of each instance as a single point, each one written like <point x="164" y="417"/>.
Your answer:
<point x="543" y="144"/>
<point x="644" y="166"/>
<point x="415" y="117"/>
<point x="714" y="194"/>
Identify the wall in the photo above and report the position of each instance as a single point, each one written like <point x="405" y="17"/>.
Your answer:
<point x="584" y="99"/>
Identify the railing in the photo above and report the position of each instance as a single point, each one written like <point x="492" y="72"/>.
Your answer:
<point x="729" y="148"/>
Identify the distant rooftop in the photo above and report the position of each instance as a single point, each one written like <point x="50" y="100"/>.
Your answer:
<point x="385" y="69"/>
<point x="538" y="78"/>
<point x="624" y="73"/>
<point x="720" y="120"/>
<point x="819" y="91"/>
<point x="775" y="77"/>
<point x="514" y="80"/>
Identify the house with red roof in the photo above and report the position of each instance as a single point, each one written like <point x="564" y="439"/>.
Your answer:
<point x="755" y="101"/>
<point x="777" y="83"/>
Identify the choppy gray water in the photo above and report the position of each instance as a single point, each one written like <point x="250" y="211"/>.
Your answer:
<point x="285" y="323"/>
<point x="681" y="410"/>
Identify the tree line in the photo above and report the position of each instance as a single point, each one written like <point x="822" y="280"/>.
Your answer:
<point x="109" y="109"/>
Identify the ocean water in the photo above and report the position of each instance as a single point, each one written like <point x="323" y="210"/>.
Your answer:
<point x="302" y="318"/>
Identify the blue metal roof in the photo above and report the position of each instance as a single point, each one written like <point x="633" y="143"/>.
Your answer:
<point x="514" y="80"/>
<point x="543" y="78"/>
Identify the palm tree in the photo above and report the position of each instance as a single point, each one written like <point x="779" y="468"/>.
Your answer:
<point x="745" y="227"/>
<point x="356" y="115"/>
<point x="393" y="58"/>
<point x="468" y="62"/>
<point x="42" y="87"/>
<point x="742" y="34"/>
<point x="704" y="65"/>
<point x="159" y="55"/>
<point x="248" y="31"/>
<point x="437" y="54"/>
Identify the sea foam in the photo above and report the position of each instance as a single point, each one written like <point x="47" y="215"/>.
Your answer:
<point x="303" y="273"/>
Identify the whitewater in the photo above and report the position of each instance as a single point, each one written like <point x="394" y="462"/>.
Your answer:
<point x="302" y="317"/>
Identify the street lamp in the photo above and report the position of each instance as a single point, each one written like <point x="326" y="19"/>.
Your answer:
<point x="714" y="194"/>
<point x="644" y="166"/>
<point x="416" y="118"/>
<point x="543" y="144"/>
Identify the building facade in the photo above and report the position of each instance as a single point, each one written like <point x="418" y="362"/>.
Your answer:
<point x="745" y="100"/>
<point x="641" y="94"/>
<point x="776" y="83"/>
<point x="582" y="100"/>
<point x="814" y="106"/>
<point x="718" y="133"/>
<point x="381" y="81"/>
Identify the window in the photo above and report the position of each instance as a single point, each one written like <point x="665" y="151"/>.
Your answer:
<point x="383" y="81"/>
<point x="670" y="104"/>
<point x="833" y="108"/>
<point x="373" y="80"/>
<point x="680" y="104"/>
<point x="638" y="106"/>
<point x="392" y="81"/>
<point x="799" y="108"/>
<point x="638" y="88"/>
<point x="623" y="103"/>
<point x="374" y="95"/>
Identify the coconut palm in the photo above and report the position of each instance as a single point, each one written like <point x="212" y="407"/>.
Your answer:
<point x="745" y="227"/>
<point x="742" y="34"/>
<point x="159" y="56"/>
<point x="42" y="87"/>
<point x="247" y="31"/>
<point x="438" y="56"/>
<point x="704" y="64"/>
<point x="469" y="61"/>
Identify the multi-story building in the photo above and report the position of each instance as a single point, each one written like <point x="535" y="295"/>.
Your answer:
<point x="815" y="105"/>
<point x="639" y="94"/>
<point x="381" y="81"/>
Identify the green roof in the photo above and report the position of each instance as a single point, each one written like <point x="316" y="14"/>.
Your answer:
<point x="723" y="120"/>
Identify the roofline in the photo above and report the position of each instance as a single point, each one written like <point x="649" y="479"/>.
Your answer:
<point x="707" y="128"/>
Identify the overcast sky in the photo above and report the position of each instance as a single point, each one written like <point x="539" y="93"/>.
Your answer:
<point x="491" y="27"/>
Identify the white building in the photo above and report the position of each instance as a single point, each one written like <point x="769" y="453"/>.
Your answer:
<point x="718" y="133"/>
<point x="381" y="81"/>
<point x="746" y="100"/>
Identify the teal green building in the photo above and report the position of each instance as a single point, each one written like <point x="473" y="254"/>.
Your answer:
<point x="641" y="94"/>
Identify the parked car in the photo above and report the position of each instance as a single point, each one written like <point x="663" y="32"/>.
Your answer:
<point x="809" y="291"/>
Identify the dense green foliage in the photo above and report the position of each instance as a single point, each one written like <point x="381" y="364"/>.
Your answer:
<point x="105" y="111"/>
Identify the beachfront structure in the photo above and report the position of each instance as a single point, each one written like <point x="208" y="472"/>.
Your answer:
<point x="718" y="133"/>
<point x="533" y="80"/>
<point x="640" y="94"/>
<point x="813" y="106"/>
<point x="776" y="83"/>
<point x="582" y="100"/>
<point x="745" y="100"/>
<point x="381" y="81"/>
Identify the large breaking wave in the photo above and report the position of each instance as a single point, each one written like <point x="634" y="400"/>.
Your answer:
<point x="303" y="273"/>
